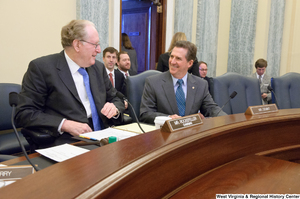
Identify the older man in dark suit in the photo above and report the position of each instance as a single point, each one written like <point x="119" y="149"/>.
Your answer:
<point x="177" y="93"/>
<point x="69" y="93"/>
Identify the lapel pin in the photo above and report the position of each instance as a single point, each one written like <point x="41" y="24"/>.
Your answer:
<point x="193" y="87"/>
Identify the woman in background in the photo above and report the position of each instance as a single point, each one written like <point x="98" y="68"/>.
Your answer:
<point x="127" y="46"/>
<point x="163" y="60"/>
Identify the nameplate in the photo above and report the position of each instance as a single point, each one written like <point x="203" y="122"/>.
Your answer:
<point x="256" y="110"/>
<point x="15" y="172"/>
<point x="181" y="123"/>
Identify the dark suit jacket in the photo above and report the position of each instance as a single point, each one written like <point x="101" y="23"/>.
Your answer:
<point x="163" y="64"/>
<point x="159" y="98"/>
<point x="49" y="94"/>
<point x="120" y="83"/>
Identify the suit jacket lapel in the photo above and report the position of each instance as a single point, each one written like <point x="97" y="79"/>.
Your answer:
<point x="191" y="93"/>
<point x="169" y="92"/>
<point x="66" y="76"/>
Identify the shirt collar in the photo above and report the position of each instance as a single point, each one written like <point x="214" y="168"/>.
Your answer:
<point x="184" y="80"/>
<point x="112" y="72"/>
<point x="72" y="65"/>
<point x="257" y="75"/>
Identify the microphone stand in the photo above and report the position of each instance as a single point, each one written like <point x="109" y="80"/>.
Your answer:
<point x="135" y="115"/>
<point x="13" y="105"/>
<point x="122" y="97"/>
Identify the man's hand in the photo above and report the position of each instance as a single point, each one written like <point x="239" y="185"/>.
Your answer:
<point x="201" y="116"/>
<point x="264" y="95"/>
<point x="174" y="116"/>
<point x="75" y="128"/>
<point x="109" y="110"/>
<point x="126" y="104"/>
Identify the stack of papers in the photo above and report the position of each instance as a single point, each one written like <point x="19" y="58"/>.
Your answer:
<point x="134" y="127"/>
<point x="62" y="152"/>
<point x="67" y="151"/>
<point x="105" y="133"/>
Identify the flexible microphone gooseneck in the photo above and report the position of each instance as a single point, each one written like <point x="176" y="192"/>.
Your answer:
<point x="122" y="97"/>
<point x="13" y="102"/>
<point x="233" y="94"/>
<point x="271" y="89"/>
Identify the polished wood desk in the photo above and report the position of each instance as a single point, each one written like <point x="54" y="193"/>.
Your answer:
<point x="158" y="164"/>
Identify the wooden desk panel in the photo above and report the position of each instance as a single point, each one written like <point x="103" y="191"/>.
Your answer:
<point x="157" y="163"/>
<point x="248" y="175"/>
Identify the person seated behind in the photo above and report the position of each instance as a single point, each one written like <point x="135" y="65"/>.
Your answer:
<point x="203" y="74"/>
<point x="124" y="63"/>
<point x="116" y="78"/>
<point x="264" y="80"/>
<point x="162" y="92"/>
<point x="163" y="60"/>
<point x="57" y="96"/>
<point x="127" y="47"/>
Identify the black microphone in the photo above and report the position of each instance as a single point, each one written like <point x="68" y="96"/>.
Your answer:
<point x="271" y="89"/>
<point x="233" y="94"/>
<point x="13" y="102"/>
<point x="122" y="97"/>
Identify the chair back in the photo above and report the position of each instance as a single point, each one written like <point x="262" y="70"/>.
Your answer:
<point x="135" y="87"/>
<point x="6" y="109"/>
<point x="287" y="90"/>
<point x="247" y="88"/>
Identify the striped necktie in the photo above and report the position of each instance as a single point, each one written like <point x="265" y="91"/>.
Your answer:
<point x="111" y="79"/>
<point x="180" y="98"/>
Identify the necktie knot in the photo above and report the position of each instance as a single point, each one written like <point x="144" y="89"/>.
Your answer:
<point x="110" y="74"/>
<point x="82" y="71"/>
<point x="180" y="82"/>
<point x="126" y="74"/>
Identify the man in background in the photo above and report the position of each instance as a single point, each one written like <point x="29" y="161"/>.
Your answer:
<point x="176" y="93"/>
<point x="264" y="80"/>
<point x="115" y="76"/>
<point x="68" y="93"/>
<point x="203" y="74"/>
<point x="124" y="63"/>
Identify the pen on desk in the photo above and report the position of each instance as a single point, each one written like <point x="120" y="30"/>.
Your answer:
<point x="88" y="138"/>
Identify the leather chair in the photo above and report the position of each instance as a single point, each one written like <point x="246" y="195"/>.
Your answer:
<point x="135" y="89"/>
<point x="8" y="141"/>
<point x="247" y="88"/>
<point x="287" y="90"/>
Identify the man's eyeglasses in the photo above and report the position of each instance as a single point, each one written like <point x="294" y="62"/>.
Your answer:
<point x="96" y="45"/>
<point x="203" y="69"/>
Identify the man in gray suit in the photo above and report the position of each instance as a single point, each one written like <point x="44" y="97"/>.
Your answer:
<point x="263" y="79"/>
<point x="166" y="95"/>
<point x="69" y="93"/>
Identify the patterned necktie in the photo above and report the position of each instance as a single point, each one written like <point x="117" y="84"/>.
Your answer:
<point x="180" y="98"/>
<point x="126" y="74"/>
<point x="259" y="79"/>
<point x="111" y="79"/>
<point x="95" y="116"/>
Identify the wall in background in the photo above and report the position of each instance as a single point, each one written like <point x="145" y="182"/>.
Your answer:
<point x="231" y="34"/>
<point x="30" y="29"/>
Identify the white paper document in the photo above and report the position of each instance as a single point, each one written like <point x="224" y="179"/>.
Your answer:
<point x="62" y="152"/>
<point x="105" y="133"/>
